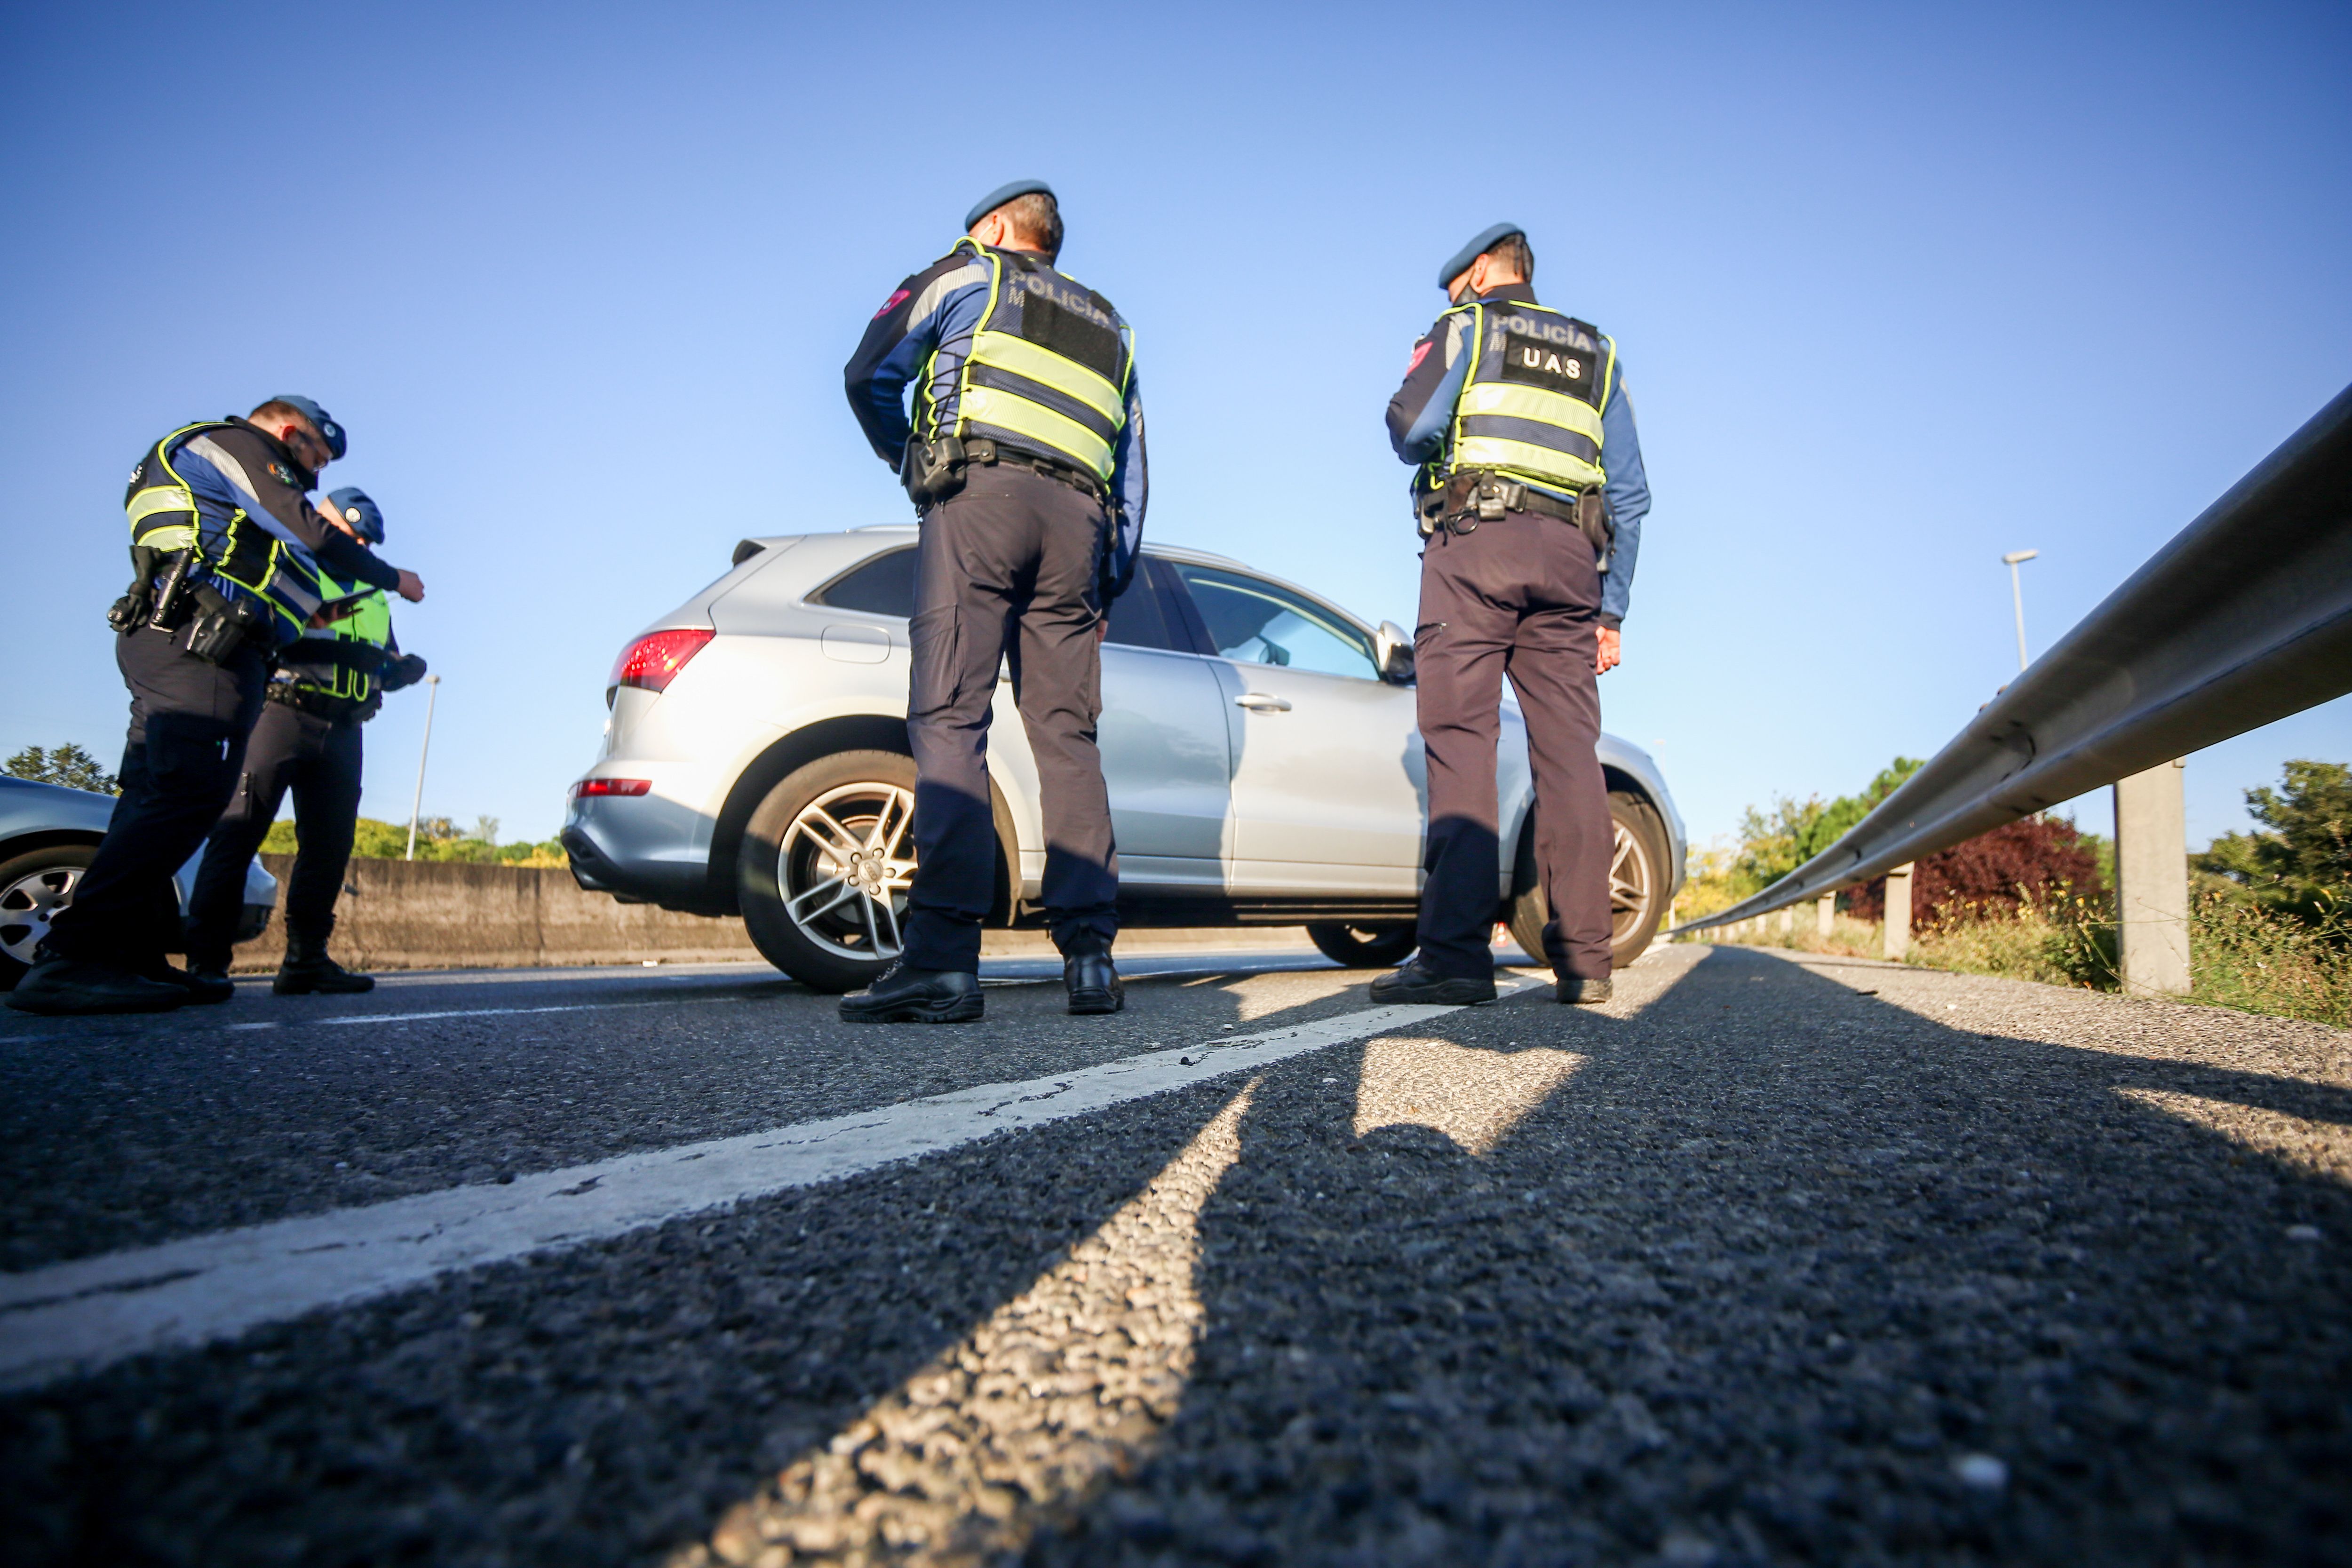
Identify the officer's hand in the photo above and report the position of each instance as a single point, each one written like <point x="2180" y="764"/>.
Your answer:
<point x="1611" y="653"/>
<point x="1102" y="627"/>
<point x="411" y="587"/>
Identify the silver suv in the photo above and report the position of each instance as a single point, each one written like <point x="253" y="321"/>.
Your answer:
<point x="1259" y="742"/>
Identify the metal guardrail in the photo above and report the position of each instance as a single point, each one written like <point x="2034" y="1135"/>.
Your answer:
<point x="2244" y="617"/>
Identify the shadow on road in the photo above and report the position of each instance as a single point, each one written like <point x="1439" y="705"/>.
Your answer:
<point x="1764" y="1270"/>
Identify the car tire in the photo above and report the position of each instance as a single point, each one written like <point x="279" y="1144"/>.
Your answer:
<point x="1365" y="947"/>
<point x="831" y="924"/>
<point x="1638" y="874"/>
<point x="33" y="887"/>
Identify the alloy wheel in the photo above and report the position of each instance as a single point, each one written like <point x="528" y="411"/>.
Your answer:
<point x="1632" y="883"/>
<point x="29" y="903"/>
<point x="845" y="867"/>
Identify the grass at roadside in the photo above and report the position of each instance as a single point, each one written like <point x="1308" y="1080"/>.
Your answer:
<point x="2240" y="954"/>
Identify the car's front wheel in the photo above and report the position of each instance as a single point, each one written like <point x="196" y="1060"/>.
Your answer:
<point x="1366" y="946"/>
<point x="826" y="863"/>
<point x="1637" y="884"/>
<point x="34" y="886"/>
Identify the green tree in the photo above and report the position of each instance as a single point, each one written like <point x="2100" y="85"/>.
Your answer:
<point x="2304" y="862"/>
<point x="68" y="765"/>
<point x="1774" y="844"/>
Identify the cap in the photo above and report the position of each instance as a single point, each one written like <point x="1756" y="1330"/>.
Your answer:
<point x="353" y="505"/>
<point x="1001" y="195"/>
<point x="322" y="418"/>
<point x="1461" y="260"/>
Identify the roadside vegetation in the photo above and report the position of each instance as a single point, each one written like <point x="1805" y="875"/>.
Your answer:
<point x="2269" y="910"/>
<point x="437" y="838"/>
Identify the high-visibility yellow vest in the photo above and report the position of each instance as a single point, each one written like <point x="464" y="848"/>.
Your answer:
<point x="1529" y="408"/>
<point x="165" y="518"/>
<point x="341" y="658"/>
<point x="1047" y="370"/>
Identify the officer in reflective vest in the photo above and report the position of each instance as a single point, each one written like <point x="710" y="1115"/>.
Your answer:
<point x="228" y="553"/>
<point x="1024" y="460"/>
<point x="331" y="681"/>
<point x="1530" y="493"/>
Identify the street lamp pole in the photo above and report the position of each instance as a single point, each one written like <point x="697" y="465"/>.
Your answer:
<point x="2014" y="559"/>
<point x="416" y="804"/>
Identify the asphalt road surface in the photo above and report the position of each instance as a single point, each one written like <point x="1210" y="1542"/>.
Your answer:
<point x="1776" y="1259"/>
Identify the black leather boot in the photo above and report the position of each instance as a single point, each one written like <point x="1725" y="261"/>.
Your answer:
<point x="1092" y="980"/>
<point x="1415" y="984"/>
<point x="1576" y="988"/>
<point x="60" y="987"/>
<point x="904" y="995"/>
<point x="307" y="968"/>
<point x="201" y="982"/>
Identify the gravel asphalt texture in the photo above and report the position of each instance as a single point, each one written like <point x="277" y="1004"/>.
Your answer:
<point x="1774" y="1259"/>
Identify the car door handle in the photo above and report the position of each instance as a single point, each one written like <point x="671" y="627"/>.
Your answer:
<point x="1259" y="702"/>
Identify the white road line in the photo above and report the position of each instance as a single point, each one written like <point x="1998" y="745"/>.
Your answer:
<point x="76" y="1316"/>
<point x="507" y="1012"/>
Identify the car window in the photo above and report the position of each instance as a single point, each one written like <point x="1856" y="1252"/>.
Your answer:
<point x="1140" y="617"/>
<point x="1255" y="622"/>
<point x="882" y="586"/>
<point x="886" y="586"/>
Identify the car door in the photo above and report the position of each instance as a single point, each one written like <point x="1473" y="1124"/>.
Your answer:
<point x="1328" y="781"/>
<point x="1166" y="753"/>
<point x="1163" y="733"/>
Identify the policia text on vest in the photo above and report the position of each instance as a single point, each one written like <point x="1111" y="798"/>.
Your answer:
<point x="329" y="682"/>
<point x="228" y="554"/>
<point x="1024" y="459"/>
<point x="1530" y="493"/>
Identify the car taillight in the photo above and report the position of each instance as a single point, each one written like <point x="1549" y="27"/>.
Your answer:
<point x="587" y="787"/>
<point x="654" y="660"/>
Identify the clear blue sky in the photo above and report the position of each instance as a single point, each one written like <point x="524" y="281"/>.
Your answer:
<point x="1899" y="289"/>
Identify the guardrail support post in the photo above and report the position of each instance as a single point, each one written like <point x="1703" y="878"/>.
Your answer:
<point x="1826" y="915"/>
<point x="2152" y="878"/>
<point x="1898" y="912"/>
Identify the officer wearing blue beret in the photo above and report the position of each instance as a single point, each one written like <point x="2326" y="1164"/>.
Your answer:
<point x="1529" y="492"/>
<point x="1024" y="460"/>
<point x="231" y="560"/>
<point x="330" y="681"/>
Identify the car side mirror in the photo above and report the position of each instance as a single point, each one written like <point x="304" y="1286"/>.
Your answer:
<point x="1392" y="652"/>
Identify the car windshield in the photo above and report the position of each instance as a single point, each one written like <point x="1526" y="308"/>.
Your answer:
<point x="1253" y="621"/>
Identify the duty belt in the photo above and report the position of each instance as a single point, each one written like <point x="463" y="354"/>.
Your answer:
<point x="1470" y="498"/>
<point x="981" y="449"/>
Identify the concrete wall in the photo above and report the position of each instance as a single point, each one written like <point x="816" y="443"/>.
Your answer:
<point x="443" y="915"/>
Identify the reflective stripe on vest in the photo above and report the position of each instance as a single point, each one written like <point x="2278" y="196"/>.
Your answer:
<point x="1047" y="369"/>
<point x="363" y="616"/>
<point x="239" y="553"/>
<point x="1530" y="403"/>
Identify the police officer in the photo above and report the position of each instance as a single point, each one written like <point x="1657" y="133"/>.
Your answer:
<point x="331" y="681"/>
<point x="228" y="553"/>
<point x="1025" y="462"/>
<point x="1530" y="494"/>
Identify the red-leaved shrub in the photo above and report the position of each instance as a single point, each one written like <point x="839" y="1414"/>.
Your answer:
<point x="1995" y="870"/>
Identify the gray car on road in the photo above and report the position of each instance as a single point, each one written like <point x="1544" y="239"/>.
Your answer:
<point x="1259" y="742"/>
<point x="48" y="835"/>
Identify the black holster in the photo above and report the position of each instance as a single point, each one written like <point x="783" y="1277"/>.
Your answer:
<point x="933" y="470"/>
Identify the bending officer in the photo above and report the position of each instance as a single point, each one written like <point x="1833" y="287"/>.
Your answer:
<point x="331" y="681"/>
<point x="1025" y="459"/>
<point x="1530" y="494"/>
<point x="228" y="553"/>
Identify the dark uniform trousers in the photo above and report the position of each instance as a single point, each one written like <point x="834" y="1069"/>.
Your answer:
<point x="318" y="759"/>
<point x="1008" y="570"/>
<point x="189" y="720"/>
<point x="1520" y="596"/>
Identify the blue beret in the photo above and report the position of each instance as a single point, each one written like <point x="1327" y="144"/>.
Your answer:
<point x="353" y="505"/>
<point x="1461" y="260"/>
<point x="319" y="416"/>
<point x="1001" y="195"/>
